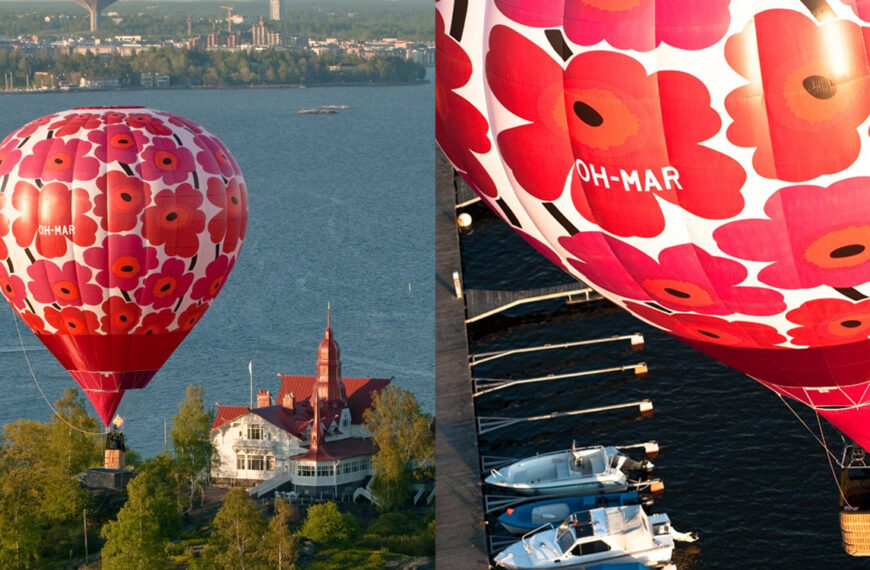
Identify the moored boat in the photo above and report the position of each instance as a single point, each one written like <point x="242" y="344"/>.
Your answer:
<point x="523" y="518"/>
<point x="575" y="471"/>
<point x="613" y="535"/>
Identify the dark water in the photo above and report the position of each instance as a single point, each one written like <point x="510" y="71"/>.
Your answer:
<point x="340" y="210"/>
<point x="738" y="467"/>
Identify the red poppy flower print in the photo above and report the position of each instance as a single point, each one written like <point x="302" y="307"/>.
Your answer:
<point x="165" y="160"/>
<point x="181" y="122"/>
<point x="120" y="316"/>
<point x="814" y="236"/>
<point x="711" y="329"/>
<point x="148" y="122"/>
<point x="214" y="157"/>
<point x="4" y="228"/>
<point x="72" y="321"/>
<point x="175" y="220"/>
<point x="627" y="24"/>
<point x="165" y="287"/>
<point x="460" y="129"/>
<point x="122" y="261"/>
<point x="74" y="122"/>
<point x="828" y="322"/>
<point x="56" y="159"/>
<point x="685" y="278"/>
<point x="120" y="201"/>
<point x="34" y="125"/>
<point x="216" y="274"/>
<point x="229" y="224"/>
<point x="13" y="288"/>
<point x="115" y="143"/>
<point x="65" y="285"/>
<point x="624" y="138"/>
<point x="33" y="322"/>
<point x="9" y="155"/>
<point x="113" y="117"/>
<point x="191" y="315"/>
<point x="799" y="101"/>
<point x="861" y="8"/>
<point x="53" y="215"/>
<point x="156" y="323"/>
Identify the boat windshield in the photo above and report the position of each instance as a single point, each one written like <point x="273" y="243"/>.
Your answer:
<point x="565" y="539"/>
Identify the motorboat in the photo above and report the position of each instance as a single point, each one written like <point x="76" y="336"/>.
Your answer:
<point x="610" y="535"/>
<point x="575" y="471"/>
<point x="523" y="518"/>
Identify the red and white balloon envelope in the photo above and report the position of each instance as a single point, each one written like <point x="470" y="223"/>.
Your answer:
<point x="118" y="228"/>
<point x="704" y="165"/>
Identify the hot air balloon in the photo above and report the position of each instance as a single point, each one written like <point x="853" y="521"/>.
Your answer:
<point x="118" y="228"/>
<point x="704" y="165"/>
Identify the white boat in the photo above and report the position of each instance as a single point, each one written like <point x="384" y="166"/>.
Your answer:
<point x="610" y="535"/>
<point x="574" y="471"/>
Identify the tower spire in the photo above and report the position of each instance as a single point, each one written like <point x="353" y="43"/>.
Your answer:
<point x="328" y="313"/>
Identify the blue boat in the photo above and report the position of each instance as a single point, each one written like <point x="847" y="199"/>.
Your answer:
<point x="522" y="519"/>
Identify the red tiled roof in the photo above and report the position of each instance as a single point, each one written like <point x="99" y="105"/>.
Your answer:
<point x="358" y="390"/>
<point x="341" y="449"/>
<point x="227" y="414"/>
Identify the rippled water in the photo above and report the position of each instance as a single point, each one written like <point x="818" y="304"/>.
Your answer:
<point x="340" y="210"/>
<point x="738" y="467"/>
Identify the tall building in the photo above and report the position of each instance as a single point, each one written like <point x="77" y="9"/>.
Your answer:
<point x="94" y="7"/>
<point x="276" y="9"/>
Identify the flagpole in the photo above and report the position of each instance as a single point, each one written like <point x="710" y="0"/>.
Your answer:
<point x="251" y="375"/>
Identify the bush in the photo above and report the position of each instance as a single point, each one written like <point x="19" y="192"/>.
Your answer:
<point x="326" y="525"/>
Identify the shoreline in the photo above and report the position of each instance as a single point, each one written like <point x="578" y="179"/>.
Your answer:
<point x="23" y="91"/>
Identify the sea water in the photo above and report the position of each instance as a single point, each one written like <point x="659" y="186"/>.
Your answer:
<point x="340" y="212"/>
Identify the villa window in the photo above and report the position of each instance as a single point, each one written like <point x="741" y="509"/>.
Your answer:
<point x="240" y="462"/>
<point x="255" y="462"/>
<point x="324" y="471"/>
<point x="255" y="431"/>
<point x="270" y="463"/>
<point x="305" y="470"/>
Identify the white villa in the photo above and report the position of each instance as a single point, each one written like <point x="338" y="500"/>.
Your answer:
<point x="311" y="440"/>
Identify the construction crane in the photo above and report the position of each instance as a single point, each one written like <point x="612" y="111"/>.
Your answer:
<point x="229" y="10"/>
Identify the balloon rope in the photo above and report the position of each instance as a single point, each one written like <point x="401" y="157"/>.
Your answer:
<point x="810" y="430"/>
<point x="44" y="397"/>
<point x="833" y="473"/>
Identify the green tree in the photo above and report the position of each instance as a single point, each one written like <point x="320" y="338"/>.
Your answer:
<point x="191" y="439"/>
<point x="404" y="443"/>
<point x="325" y="524"/>
<point x="280" y="543"/>
<point x="237" y="536"/>
<point x="72" y="440"/>
<point x="136" y="539"/>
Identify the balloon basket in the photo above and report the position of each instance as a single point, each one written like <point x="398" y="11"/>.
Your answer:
<point x="855" y="502"/>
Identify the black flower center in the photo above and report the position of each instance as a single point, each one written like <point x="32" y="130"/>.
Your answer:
<point x="851" y="324"/>
<point x="58" y="161"/>
<point x="171" y="216"/>
<point x="126" y="197"/>
<point x="677" y="293"/>
<point x="127" y="269"/>
<point x="64" y="290"/>
<point x="235" y="201"/>
<point x="587" y="114"/>
<point x="71" y="325"/>
<point x="166" y="288"/>
<point x="848" y="250"/>
<point x="820" y="87"/>
<point x="123" y="318"/>
<point x="167" y="161"/>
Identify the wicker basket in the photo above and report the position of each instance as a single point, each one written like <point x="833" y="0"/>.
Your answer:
<point x="855" y="526"/>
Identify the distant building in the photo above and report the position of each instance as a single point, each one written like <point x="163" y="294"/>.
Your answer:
<point x="311" y="440"/>
<point x="276" y="9"/>
<point x="99" y="83"/>
<point x="148" y="79"/>
<point x="263" y="36"/>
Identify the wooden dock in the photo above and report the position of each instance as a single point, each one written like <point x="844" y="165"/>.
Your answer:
<point x="482" y="303"/>
<point x="461" y="538"/>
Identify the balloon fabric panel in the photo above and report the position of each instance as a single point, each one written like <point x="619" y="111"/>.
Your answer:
<point x="119" y="228"/>
<point x="704" y="165"/>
